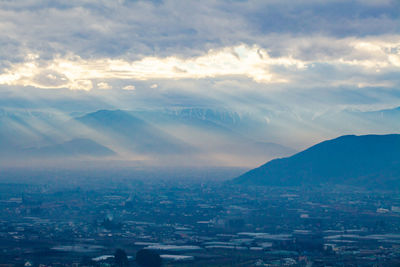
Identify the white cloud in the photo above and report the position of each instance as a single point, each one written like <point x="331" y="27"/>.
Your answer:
<point x="364" y="56"/>
<point x="129" y="87"/>
<point x="79" y="84"/>
<point x="104" y="86"/>
<point x="73" y="72"/>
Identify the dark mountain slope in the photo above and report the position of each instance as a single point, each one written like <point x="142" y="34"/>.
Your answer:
<point x="370" y="160"/>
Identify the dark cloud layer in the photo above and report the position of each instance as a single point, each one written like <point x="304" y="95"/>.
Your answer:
<point x="135" y="28"/>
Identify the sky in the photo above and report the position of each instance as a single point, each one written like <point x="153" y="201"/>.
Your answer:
<point x="305" y="58"/>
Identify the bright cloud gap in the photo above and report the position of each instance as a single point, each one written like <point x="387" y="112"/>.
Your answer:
<point x="252" y="62"/>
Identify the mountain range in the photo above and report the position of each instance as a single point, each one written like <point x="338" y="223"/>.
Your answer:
<point x="191" y="136"/>
<point x="367" y="160"/>
<point x="177" y="135"/>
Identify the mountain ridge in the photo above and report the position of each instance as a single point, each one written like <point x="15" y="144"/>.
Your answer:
<point x="371" y="160"/>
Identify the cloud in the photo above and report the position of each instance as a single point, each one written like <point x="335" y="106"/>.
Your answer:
<point x="76" y="73"/>
<point x="104" y="86"/>
<point x="101" y="29"/>
<point x="129" y="87"/>
<point x="363" y="57"/>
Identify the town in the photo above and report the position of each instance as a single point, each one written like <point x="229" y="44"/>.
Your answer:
<point x="198" y="223"/>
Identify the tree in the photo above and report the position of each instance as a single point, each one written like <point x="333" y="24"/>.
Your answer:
<point x="148" y="258"/>
<point x="120" y="258"/>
